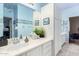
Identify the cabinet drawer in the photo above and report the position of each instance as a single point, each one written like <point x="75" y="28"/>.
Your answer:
<point x="47" y="52"/>
<point x="35" y="52"/>
<point x="47" y="49"/>
<point x="23" y="54"/>
<point x="47" y="45"/>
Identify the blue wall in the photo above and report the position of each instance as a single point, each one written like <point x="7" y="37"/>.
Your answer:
<point x="1" y="20"/>
<point x="24" y="20"/>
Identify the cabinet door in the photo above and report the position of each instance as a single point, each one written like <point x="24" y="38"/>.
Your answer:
<point x="22" y="54"/>
<point x="47" y="49"/>
<point x="35" y="52"/>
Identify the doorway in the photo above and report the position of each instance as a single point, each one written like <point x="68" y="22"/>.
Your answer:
<point x="7" y="32"/>
<point x="74" y="30"/>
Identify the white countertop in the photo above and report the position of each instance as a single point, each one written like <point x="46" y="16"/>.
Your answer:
<point x="16" y="49"/>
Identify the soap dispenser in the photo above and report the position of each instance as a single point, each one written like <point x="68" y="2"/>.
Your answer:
<point x="26" y="39"/>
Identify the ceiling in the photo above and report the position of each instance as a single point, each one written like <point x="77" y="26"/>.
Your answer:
<point x="63" y="6"/>
<point x="34" y="5"/>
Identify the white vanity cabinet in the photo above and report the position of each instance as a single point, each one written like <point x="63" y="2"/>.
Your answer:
<point x="35" y="52"/>
<point x="22" y="54"/>
<point x="47" y="49"/>
<point x="42" y="50"/>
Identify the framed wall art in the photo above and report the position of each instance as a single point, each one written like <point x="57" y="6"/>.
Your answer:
<point x="46" y="21"/>
<point x="36" y="22"/>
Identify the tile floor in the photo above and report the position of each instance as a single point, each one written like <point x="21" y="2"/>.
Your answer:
<point x="69" y="50"/>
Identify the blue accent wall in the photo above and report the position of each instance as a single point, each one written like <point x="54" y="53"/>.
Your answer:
<point x="1" y="20"/>
<point x="25" y="19"/>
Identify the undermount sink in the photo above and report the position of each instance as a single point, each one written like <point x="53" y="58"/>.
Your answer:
<point x="12" y="47"/>
<point x="4" y="54"/>
<point x="17" y="46"/>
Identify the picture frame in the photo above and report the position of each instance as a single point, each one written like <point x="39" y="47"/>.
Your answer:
<point x="46" y="21"/>
<point x="36" y="22"/>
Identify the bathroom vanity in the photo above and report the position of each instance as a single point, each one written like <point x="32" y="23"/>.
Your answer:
<point x="38" y="47"/>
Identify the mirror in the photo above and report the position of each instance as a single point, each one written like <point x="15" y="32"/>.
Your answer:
<point x="16" y="21"/>
<point x="10" y="20"/>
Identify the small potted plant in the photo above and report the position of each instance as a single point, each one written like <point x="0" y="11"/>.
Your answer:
<point x="40" y="32"/>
